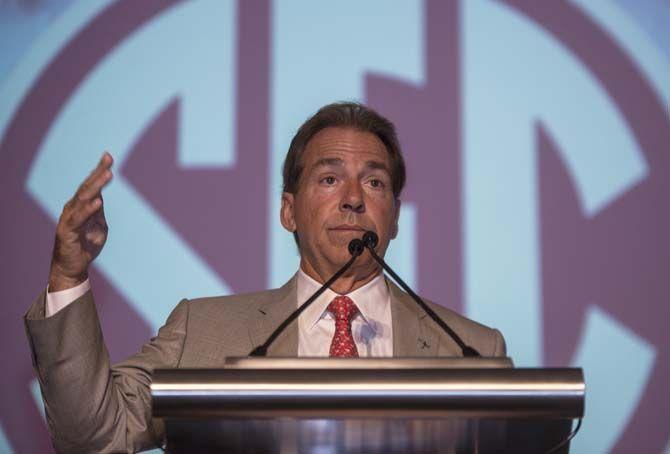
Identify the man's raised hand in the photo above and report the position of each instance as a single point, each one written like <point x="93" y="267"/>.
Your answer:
<point x="81" y="231"/>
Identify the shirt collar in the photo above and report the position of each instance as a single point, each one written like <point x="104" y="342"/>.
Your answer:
<point x="372" y="299"/>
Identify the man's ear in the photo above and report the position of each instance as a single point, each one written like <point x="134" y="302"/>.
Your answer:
<point x="394" y="231"/>
<point x="287" y="212"/>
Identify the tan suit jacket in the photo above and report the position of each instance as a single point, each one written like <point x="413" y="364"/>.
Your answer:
<point x="92" y="406"/>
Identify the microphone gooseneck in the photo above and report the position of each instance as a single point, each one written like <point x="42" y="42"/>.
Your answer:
<point x="370" y="240"/>
<point x="356" y="248"/>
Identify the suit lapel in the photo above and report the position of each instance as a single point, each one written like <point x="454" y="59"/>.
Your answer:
<point x="411" y="336"/>
<point x="271" y="314"/>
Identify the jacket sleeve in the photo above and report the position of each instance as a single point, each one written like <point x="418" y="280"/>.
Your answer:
<point x="499" y="346"/>
<point x="90" y="405"/>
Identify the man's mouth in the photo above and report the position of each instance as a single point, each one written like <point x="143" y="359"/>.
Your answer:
<point x="348" y="228"/>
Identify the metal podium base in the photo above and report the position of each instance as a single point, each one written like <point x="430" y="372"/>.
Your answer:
<point x="315" y="436"/>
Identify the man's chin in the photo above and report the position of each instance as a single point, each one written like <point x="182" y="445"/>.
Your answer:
<point x="340" y="256"/>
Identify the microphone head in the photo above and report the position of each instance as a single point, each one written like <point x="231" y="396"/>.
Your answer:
<point x="370" y="239"/>
<point x="356" y="247"/>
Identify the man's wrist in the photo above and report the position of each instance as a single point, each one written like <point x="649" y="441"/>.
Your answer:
<point x="59" y="282"/>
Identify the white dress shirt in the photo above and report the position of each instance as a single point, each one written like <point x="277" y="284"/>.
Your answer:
<point x="371" y="327"/>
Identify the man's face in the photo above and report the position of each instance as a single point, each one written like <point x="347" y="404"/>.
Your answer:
<point x="344" y="189"/>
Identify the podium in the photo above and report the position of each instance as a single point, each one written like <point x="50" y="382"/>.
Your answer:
<point x="328" y="405"/>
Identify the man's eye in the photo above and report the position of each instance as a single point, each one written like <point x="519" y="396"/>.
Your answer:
<point x="329" y="180"/>
<point x="375" y="183"/>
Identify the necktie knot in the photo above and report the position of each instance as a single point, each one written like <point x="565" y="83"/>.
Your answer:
<point x="344" y="310"/>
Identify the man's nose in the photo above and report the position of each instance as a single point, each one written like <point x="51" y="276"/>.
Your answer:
<point x="352" y="199"/>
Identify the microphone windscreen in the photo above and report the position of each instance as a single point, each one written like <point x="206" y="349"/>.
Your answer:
<point x="370" y="239"/>
<point x="356" y="247"/>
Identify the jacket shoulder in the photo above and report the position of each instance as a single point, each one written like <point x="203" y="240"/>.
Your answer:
<point x="231" y="302"/>
<point x="486" y="340"/>
<point x="231" y="309"/>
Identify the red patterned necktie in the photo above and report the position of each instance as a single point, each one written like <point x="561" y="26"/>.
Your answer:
<point x="344" y="310"/>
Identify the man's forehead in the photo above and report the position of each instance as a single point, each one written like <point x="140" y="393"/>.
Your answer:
<point x="339" y="162"/>
<point x="333" y="146"/>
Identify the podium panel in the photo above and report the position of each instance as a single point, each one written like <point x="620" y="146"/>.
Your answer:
<point x="289" y="435"/>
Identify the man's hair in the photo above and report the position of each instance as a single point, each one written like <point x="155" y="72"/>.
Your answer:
<point x="344" y="115"/>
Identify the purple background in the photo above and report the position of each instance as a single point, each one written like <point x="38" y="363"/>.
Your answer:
<point x="618" y="257"/>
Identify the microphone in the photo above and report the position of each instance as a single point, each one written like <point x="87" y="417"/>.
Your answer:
<point x="370" y="240"/>
<point x="356" y="248"/>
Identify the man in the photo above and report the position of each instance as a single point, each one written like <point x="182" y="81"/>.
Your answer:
<point x="343" y="175"/>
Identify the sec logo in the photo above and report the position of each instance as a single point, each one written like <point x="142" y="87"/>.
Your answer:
<point x="536" y="139"/>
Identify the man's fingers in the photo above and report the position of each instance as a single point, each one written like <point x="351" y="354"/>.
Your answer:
<point x="99" y="215"/>
<point x="88" y="199"/>
<point x="105" y="162"/>
<point x="91" y="188"/>
<point x="104" y="165"/>
<point x="82" y="212"/>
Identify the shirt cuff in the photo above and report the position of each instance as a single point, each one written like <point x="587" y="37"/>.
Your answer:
<point x="56" y="301"/>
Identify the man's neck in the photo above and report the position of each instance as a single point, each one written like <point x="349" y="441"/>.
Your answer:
<point x="347" y="283"/>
